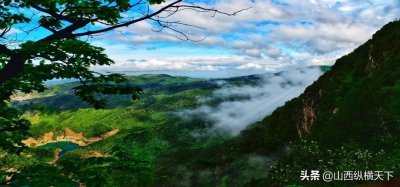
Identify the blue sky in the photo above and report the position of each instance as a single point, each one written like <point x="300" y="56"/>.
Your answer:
<point x="273" y="35"/>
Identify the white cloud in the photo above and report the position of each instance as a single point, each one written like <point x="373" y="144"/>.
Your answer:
<point x="249" y="66"/>
<point x="232" y="116"/>
<point x="195" y="64"/>
<point x="281" y="31"/>
<point x="339" y="32"/>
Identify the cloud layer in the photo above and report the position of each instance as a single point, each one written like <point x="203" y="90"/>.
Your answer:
<point x="232" y="116"/>
<point x="291" y="32"/>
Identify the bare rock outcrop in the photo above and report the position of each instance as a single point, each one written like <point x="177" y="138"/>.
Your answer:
<point x="68" y="135"/>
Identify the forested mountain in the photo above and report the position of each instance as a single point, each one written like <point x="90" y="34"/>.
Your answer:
<point x="129" y="137"/>
<point x="348" y="120"/>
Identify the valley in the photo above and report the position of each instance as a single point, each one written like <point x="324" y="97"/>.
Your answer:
<point x="133" y="133"/>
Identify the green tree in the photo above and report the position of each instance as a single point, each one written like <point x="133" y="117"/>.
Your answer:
<point x="64" y="53"/>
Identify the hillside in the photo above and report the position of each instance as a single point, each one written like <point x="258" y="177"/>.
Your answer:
<point x="348" y="120"/>
<point x="58" y="108"/>
<point x="129" y="137"/>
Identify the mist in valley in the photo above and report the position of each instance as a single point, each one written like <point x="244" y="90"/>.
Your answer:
<point x="243" y="105"/>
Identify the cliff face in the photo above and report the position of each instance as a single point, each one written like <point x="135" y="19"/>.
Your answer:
<point x="306" y="116"/>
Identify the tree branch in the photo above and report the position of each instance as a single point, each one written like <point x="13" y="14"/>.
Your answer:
<point x="5" y="31"/>
<point x="203" y="9"/>
<point x="128" y="22"/>
<point x="66" y="32"/>
<point x="51" y="13"/>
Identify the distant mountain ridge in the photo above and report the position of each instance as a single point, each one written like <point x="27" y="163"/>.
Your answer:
<point x="60" y="96"/>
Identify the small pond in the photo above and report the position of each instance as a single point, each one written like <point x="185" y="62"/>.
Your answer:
<point x="65" y="146"/>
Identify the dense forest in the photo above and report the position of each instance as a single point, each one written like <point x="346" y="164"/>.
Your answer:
<point x="126" y="140"/>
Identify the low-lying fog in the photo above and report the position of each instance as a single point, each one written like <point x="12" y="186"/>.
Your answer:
<point x="272" y="91"/>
